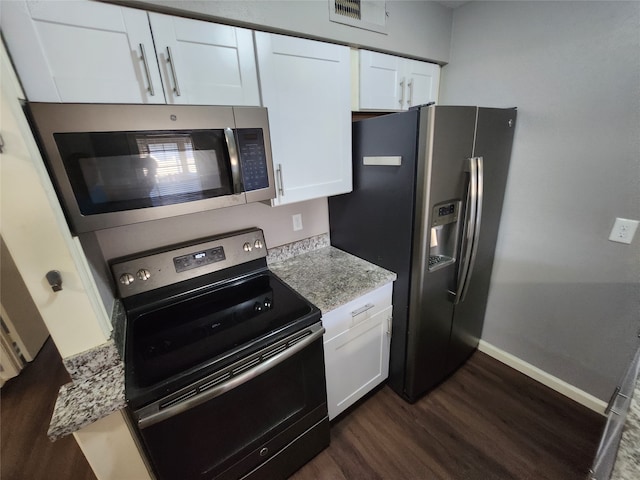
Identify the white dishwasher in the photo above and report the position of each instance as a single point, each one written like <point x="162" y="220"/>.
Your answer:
<point x="356" y="347"/>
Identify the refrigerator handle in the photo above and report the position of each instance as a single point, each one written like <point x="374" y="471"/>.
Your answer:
<point x="471" y="227"/>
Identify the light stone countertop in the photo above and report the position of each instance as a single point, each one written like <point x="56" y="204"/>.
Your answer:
<point x="329" y="277"/>
<point x="96" y="390"/>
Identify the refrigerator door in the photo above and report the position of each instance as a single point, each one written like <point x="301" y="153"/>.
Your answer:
<point x="494" y="138"/>
<point x="375" y="221"/>
<point x="445" y="145"/>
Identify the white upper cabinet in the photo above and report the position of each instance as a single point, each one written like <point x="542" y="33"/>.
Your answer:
<point x="91" y="52"/>
<point x="306" y="87"/>
<point x="388" y="82"/>
<point x="205" y="63"/>
<point x="82" y="52"/>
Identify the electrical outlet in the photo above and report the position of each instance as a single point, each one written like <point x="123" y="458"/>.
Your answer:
<point x="297" y="222"/>
<point x="623" y="230"/>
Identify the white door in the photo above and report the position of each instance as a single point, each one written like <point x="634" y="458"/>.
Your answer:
<point x="423" y="82"/>
<point x="71" y="51"/>
<point x="382" y="86"/>
<point x="205" y="63"/>
<point x="356" y="361"/>
<point x="306" y="86"/>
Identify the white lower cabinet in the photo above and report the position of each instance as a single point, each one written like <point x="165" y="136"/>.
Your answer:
<point x="618" y="408"/>
<point x="356" y="348"/>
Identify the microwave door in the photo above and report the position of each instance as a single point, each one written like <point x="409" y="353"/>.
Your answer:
<point x="115" y="165"/>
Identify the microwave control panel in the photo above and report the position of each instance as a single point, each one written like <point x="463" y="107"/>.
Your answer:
<point x="253" y="158"/>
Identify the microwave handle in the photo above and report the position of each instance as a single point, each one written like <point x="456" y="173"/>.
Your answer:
<point x="236" y="175"/>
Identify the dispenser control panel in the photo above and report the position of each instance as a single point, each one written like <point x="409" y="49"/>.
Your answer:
<point x="445" y="213"/>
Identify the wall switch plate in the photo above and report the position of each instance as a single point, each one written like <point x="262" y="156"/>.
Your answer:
<point x="623" y="230"/>
<point x="297" y="222"/>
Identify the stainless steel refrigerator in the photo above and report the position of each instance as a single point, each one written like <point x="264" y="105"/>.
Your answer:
<point x="426" y="203"/>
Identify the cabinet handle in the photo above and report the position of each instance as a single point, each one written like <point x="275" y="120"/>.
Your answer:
<point x="410" y="85"/>
<point x="389" y="324"/>
<point x="612" y="399"/>
<point x="401" y="92"/>
<point x="172" y="65"/>
<point x="360" y="310"/>
<point x="279" y="177"/>
<point x="236" y="175"/>
<point x="146" y="70"/>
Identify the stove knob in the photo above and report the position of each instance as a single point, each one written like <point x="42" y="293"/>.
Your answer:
<point x="267" y="303"/>
<point x="143" y="274"/>
<point x="258" y="244"/>
<point x="258" y="307"/>
<point x="247" y="247"/>
<point x="126" y="279"/>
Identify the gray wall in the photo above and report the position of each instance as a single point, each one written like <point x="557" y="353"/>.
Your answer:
<point x="420" y="29"/>
<point x="563" y="297"/>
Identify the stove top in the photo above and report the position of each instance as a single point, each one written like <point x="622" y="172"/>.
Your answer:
<point x="202" y="318"/>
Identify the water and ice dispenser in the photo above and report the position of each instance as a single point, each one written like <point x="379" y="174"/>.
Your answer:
<point x="443" y="239"/>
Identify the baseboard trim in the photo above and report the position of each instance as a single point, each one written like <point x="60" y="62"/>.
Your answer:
<point x="560" y="386"/>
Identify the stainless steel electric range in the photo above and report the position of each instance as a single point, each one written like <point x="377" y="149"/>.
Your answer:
<point x="224" y="366"/>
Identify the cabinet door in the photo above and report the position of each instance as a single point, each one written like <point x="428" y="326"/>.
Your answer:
<point x="388" y="82"/>
<point x="357" y="360"/>
<point x="619" y="405"/>
<point x="382" y="86"/>
<point x="423" y="82"/>
<point x="82" y="52"/>
<point x="205" y="63"/>
<point x="305" y="85"/>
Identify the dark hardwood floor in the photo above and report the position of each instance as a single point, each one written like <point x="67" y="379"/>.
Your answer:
<point x="487" y="421"/>
<point x="26" y="404"/>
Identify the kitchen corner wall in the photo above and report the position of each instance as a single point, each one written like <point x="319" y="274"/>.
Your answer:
<point x="563" y="297"/>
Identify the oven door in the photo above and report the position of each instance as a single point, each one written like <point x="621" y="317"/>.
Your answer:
<point x="262" y="417"/>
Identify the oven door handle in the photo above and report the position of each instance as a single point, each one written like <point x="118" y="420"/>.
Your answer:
<point x="146" y="420"/>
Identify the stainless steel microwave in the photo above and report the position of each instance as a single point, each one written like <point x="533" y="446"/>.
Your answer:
<point x="114" y="165"/>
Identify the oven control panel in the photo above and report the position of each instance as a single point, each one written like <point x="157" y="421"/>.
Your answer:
<point x="199" y="258"/>
<point x="173" y="264"/>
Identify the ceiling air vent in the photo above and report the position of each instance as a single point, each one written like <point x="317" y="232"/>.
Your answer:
<point x="348" y="8"/>
<point x="366" y="14"/>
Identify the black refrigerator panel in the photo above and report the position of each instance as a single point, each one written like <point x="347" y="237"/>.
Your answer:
<point x="375" y="221"/>
<point x="494" y="138"/>
<point x="446" y="143"/>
